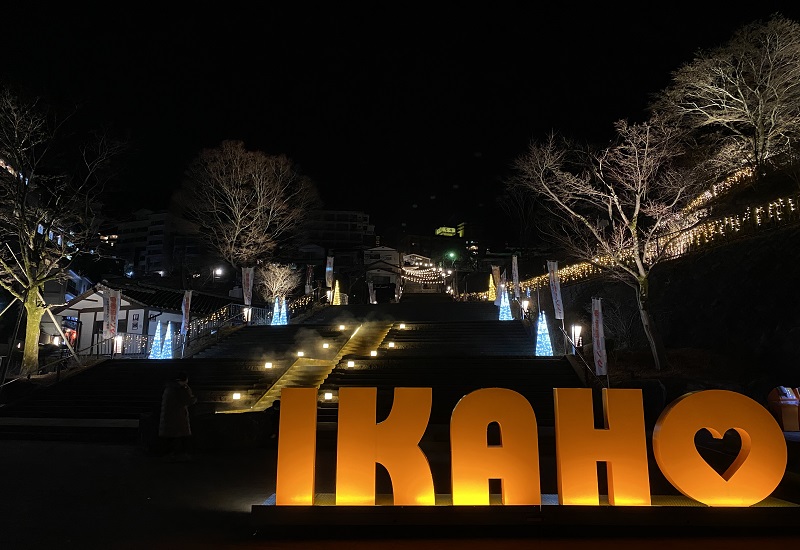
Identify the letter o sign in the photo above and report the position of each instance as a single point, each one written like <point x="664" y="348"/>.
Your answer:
<point x="753" y="475"/>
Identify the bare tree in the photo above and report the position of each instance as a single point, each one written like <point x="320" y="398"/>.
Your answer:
<point x="746" y="92"/>
<point x="47" y="218"/>
<point x="276" y="280"/>
<point x="617" y="208"/>
<point x="247" y="203"/>
<point x="520" y="207"/>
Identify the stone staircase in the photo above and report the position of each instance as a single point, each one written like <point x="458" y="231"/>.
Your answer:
<point x="310" y="372"/>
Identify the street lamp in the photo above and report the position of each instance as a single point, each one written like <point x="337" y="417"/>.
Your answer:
<point x="576" y="336"/>
<point x="217" y="272"/>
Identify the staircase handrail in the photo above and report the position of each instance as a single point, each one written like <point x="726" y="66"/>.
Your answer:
<point x="588" y="369"/>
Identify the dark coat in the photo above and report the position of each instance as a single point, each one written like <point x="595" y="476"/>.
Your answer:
<point x="175" y="403"/>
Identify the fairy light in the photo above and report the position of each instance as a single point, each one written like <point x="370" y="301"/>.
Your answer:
<point x="423" y="275"/>
<point x="669" y="246"/>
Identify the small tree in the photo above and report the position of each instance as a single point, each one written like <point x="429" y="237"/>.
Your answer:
<point x="47" y="217"/>
<point x="617" y="208"/>
<point x="745" y="92"/>
<point x="246" y="202"/>
<point x="276" y="280"/>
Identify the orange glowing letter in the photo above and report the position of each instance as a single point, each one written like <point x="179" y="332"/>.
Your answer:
<point x="757" y="469"/>
<point x="394" y="443"/>
<point x="297" y="446"/>
<point x="515" y="461"/>
<point x="621" y="445"/>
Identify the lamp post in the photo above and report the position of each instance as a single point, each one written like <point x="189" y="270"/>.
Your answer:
<point x="452" y="256"/>
<point x="216" y="272"/>
<point x="576" y="336"/>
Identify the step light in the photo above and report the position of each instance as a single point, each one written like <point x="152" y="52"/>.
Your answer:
<point x="268" y="365"/>
<point x="237" y="396"/>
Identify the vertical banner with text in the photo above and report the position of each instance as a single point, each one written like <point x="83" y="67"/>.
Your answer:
<point x="111" y="300"/>
<point x="247" y="285"/>
<point x="185" y="309"/>
<point x="515" y="275"/>
<point x="329" y="272"/>
<point x="555" y="289"/>
<point x="309" y="278"/>
<point x="598" y="338"/>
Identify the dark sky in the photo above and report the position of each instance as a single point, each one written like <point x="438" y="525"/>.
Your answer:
<point x="410" y="113"/>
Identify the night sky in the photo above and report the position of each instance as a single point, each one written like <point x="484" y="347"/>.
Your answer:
<point x="409" y="113"/>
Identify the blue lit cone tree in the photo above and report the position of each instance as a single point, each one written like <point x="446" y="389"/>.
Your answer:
<point x="543" y="346"/>
<point x="166" y="349"/>
<point x="276" y="312"/>
<point x="505" y="308"/>
<point x="283" y="318"/>
<point x="155" y="350"/>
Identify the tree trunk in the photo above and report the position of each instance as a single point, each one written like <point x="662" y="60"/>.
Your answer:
<point x="34" y="311"/>
<point x="656" y="346"/>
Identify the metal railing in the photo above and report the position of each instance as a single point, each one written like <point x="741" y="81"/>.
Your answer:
<point x="590" y="378"/>
<point x="130" y="345"/>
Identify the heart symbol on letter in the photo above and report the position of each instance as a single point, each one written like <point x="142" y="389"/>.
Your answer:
<point x="724" y="453"/>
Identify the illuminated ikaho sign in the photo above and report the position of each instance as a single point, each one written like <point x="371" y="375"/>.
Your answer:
<point x="394" y="443"/>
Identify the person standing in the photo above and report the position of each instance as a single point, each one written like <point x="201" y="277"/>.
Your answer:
<point x="174" y="424"/>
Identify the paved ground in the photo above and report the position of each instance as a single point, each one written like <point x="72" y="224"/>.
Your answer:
<point x="116" y="496"/>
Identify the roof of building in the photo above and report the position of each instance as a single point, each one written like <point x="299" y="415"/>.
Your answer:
<point x="157" y="297"/>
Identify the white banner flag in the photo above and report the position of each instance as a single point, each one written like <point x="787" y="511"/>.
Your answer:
<point x="555" y="289"/>
<point x="247" y="285"/>
<point x="309" y="279"/>
<point x="515" y="276"/>
<point x="186" y="308"/>
<point x="329" y="272"/>
<point x="111" y="300"/>
<point x="598" y="339"/>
